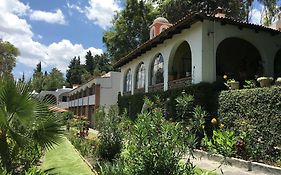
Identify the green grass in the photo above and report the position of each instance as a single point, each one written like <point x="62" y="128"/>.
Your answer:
<point x="65" y="160"/>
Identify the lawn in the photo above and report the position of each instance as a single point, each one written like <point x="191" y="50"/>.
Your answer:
<point x="65" y="160"/>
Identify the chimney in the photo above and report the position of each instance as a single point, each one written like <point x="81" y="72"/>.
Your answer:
<point x="219" y="13"/>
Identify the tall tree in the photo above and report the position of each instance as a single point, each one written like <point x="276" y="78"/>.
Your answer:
<point x="38" y="79"/>
<point x="174" y="10"/>
<point x="74" y="72"/>
<point x="8" y="54"/>
<point x="89" y="63"/>
<point x="55" y="80"/>
<point x="130" y="28"/>
<point x="102" y="64"/>
<point x="38" y="68"/>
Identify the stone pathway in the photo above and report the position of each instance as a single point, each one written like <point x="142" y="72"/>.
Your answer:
<point x="226" y="169"/>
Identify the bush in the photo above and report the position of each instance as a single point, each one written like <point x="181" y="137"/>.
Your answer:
<point x="254" y="113"/>
<point x="156" y="146"/>
<point x="204" y="94"/>
<point x="110" y="135"/>
<point x="222" y="142"/>
<point x="84" y="146"/>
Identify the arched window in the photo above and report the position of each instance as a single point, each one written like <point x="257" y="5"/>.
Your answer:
<point x="140" y="83"/>
<point x="157" y="70"/>
<point x="128" y="81"/>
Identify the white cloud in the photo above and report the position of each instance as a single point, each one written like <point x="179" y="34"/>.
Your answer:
<point x="74" y="7"/>
<point x="49" y="17"/>
<point x="101" y="12"/>
<point x="14" y="6"/>
<point x="60" y="54"/>
<point x="16" y="30"/>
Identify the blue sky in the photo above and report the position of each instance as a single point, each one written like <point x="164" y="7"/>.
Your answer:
<point x="54" y="31"/>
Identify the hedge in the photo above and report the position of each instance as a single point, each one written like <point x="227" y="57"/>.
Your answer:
<point x="205" y="95"/>
<point x="256" y="114"/>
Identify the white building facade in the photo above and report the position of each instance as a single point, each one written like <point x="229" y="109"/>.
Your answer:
<point x="201" y="48"/>
<point x="101" y="91"/>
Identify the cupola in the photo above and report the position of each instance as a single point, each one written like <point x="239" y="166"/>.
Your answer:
<point x="159" y="24"/>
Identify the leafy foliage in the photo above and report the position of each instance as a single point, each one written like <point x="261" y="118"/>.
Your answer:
<point x="110" y="137"/>
<point x="222" y="142"/>
<point x="130" y="28"/>
<point x="156" y="146"/>
<point x="205" y="95"/>
<point x="254" y="113"/>
<point x="26" y="126"/>
<point x="8" y="54"/>
<point x="74" y="72"/>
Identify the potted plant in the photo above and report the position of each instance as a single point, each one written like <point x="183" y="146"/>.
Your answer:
<point x="265" y="81"/>
<point x="278" y="81"/>
<point x="233" y="84"/>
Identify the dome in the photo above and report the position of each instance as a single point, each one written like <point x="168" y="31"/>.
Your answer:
<point x="161" y="20"/>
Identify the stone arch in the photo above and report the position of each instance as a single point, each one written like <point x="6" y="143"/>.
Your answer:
<point x="63" y="97"/>
<point x="50" y="98"/>
<point x="277" y="64"/>
<point x="128" y="81"/>
<point x="180" y="62"/>
<point x="140" y="76"/>
<point x="157" y="70"/>
<point x="239" y="59"/>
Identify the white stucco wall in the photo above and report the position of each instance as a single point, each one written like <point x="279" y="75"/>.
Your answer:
<point x="204" y="38"/>
<point x="110" y="86"/>
<point x="109" y="89"/>
<point x="193" y="36"/>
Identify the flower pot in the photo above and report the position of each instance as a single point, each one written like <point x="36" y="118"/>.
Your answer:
<point x="234" y="85"/>
<point x="265" y="82"/>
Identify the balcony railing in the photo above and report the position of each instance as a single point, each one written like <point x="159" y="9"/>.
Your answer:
<point x="179" y="83"/>
<point x="157" y="87"/>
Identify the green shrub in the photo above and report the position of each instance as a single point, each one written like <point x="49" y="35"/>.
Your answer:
<point x="84" y="146"/>
<point x="204" y="94"/>
<point x="256" y="113"/>
<point x="156" y="146"/>
<point x="222" y="142"/>
<point x="111" y="168"/>
<point x="110" y="134"/>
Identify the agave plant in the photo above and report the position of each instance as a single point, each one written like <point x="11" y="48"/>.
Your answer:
<point x="24" y="119"/>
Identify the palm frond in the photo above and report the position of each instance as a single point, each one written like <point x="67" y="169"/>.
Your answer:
<point x="48" y="131"/>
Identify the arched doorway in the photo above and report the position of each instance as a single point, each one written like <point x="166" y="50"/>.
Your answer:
<point x="277" y="64"/>
<point x="128" y="81"/>
<point x="50" y="98"/>
<point x="157" y="70"/>
<point x="238" y="59"/>
<point x="180" y="62"/>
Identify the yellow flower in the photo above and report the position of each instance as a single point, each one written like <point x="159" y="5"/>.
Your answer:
<point x="221" y="125"/>
<point x="225" y="76"/>
<point x="214" y="121"/>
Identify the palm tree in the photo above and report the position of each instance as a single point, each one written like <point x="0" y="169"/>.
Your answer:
<point x="23" y="119"/>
